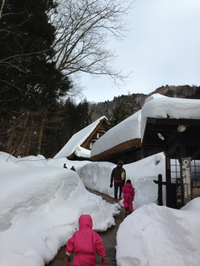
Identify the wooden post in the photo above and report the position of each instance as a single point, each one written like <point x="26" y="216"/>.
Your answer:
<point x="168" y="183"/>
<point x="160" y="183"/>
<point x="160" y="199"/>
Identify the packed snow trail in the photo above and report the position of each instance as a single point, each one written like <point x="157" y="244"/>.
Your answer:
<point x="108" y="237"/>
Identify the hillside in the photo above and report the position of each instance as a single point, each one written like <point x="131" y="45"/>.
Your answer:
<point x="105" y="108"/>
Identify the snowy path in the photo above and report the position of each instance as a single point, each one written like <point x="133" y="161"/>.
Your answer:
<point x="108" y="237"/>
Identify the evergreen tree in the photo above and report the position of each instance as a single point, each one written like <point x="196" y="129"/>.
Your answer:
<point x="196" y="95"/>
<point x="69" y="119"/>
<point x="28" y="76"/>
<point x="29" y="80"/>
<point x="123" y="110"/>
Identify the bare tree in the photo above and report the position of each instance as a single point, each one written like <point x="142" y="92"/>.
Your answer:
<point x="83" y="30"/>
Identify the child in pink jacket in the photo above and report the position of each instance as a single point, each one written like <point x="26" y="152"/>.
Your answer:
<point x="128" y="194"/>
<point x="84" y="243"/>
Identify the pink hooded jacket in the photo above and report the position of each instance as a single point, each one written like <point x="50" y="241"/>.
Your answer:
<point x="84" y="243"/>
<point x="128" y="190"/>
<point x="129" y="193"/>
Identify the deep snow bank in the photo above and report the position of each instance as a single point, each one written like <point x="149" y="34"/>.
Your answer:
<point x="142" y="173"/>
<point x="97" y="176"/>
<point x="39" y="209"/>
<point x="154" y="235"/>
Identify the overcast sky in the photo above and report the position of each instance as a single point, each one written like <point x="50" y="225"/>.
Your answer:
<point x="163" y="47"/>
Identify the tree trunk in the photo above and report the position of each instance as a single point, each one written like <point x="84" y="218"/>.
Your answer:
<point x="40" y="135"/>
<point x="30" y="136"/>
<point x="10" y="141"/>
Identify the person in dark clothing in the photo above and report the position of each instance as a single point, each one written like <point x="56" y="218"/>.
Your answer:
<point x="118" y="175"/>
<point x="73" y="168"/>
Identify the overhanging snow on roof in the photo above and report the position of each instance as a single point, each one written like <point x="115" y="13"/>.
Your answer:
<point x="132" y="128"/>
<point x="159" y="106"/>
<point x="73" y="146"/>
<point x="127" y="130"/>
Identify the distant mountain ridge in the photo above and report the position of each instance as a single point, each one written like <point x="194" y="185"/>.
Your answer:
<point x="97" y="110"/>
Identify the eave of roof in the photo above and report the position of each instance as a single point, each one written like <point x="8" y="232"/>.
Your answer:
<point x="134" y="143"/>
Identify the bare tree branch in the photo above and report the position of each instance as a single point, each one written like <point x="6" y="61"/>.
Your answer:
<point x="1" y="9"/>
<point x="83" y="29"/>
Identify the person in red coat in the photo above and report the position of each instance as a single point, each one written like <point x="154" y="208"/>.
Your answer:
<point x="84" y="243"/>
<point x="128" y="193"/>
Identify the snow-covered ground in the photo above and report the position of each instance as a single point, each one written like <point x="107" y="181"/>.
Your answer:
<point x="156" y="235"/>
<point x="96" y="176"/>
<point x="40" y="203"/>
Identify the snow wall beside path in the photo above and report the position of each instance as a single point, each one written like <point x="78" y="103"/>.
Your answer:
<point x="97" y="175"/>
<point x="40" y="205"/>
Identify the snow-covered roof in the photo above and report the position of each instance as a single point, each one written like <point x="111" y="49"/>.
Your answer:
<point x="74" y="144"/>
<point x="127" y="130"/>
<point x="157" y="106"/>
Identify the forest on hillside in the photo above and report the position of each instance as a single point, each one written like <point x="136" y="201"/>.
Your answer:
<point x="136" y="100"/>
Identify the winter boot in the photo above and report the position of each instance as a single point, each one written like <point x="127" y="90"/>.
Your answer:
<point x="126" y="210"/>
<point x="116" y="200"/>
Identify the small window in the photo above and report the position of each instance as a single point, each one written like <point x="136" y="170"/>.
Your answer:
<point x="175" y="170"/>
<point x="195" y="165"/>
<point x="91" y="144"/>
<point x="195" y="171"/>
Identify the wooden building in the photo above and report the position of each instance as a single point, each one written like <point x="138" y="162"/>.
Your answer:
<point x="94" y="135"/>
<point x="168" y="125"/>
<point x="80" y="145"/>
<point x="129" y="151"/>
<point x="180" y="141"/>
<point x="172" y="125"/>
<point x="121" y="142"/>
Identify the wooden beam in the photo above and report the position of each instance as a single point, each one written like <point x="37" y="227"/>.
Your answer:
<point x="134" y="144"/>
<point x="195" y="154"/>
<point x="173" y="121"/>
<point x="172" y="148"/>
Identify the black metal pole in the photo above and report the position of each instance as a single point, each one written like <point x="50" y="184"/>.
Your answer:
<point x="160" y="200"/>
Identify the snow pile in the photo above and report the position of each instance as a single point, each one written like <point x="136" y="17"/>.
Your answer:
<point x="142" y="173"/>
<point x="40" y="203"/>
<point x="39" y="209"/>
<point x="154" y="235"/>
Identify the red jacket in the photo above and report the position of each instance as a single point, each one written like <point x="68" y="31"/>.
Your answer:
<point x="84" y="243"/>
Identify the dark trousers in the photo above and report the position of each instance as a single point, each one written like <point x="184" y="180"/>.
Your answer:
<point x="118" y="185"/>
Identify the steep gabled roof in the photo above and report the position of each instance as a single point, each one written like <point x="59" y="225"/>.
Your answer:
<point x="73" y="146"/>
